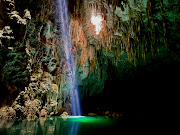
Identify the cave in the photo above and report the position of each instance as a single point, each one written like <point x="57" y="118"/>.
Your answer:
<point x="83" y="67"/>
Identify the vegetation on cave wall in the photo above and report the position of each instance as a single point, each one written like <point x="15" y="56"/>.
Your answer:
<point x="149" y="39"/>
<point x="166" y="17"/>
<point x="13" y="75"/>
<point x="15" y="71"/>
<point x="145" y="44"/>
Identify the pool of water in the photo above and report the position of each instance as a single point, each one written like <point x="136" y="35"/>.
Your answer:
<point x="71" y="125"/>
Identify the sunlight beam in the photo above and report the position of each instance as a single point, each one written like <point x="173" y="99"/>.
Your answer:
<point x="97" y="21"/>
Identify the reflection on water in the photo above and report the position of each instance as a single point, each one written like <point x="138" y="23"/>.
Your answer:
<point x="45" y="126"/>
<point x="74" y="128"/>
<point x="50" y="126"/>
<point x="72" y="125"/>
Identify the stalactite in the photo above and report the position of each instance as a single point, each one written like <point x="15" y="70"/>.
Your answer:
<point x="164" y="24"/>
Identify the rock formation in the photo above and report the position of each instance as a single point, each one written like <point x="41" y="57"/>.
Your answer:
<point x="33" y="66"/>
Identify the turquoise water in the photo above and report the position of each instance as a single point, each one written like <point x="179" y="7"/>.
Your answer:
<point x="69" y="126"/>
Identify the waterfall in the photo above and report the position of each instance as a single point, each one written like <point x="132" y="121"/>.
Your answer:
<point x="69" y="56"/>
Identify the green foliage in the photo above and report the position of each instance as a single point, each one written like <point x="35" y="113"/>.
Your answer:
<point x="94" y="83"/>
<point x="168" y="20"/>
<point x="14" y="70"/>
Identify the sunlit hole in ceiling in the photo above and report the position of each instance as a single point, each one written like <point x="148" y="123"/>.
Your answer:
<point x="97" y="21"/>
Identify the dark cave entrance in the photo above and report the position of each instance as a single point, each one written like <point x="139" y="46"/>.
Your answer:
<point x="144" y="90"/>
<point x="121" y="93"/>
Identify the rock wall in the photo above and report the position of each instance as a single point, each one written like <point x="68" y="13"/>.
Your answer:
<point x="14" y="75"/>
<point x="33" y="68"/>
<point x="36" y="43"/>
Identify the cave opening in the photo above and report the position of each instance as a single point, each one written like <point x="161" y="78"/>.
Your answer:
<point x="137" y="91"/>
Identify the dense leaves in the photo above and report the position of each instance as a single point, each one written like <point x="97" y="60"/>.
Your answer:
<point x="14" y="70"/>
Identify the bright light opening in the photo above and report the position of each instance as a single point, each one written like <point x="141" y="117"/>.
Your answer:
<point x="96" y="20"/>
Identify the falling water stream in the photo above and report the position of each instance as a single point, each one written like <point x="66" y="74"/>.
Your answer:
<point x="69" y="56"/>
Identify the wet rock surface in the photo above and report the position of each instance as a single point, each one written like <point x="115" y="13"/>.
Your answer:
<point x="34" y="73"/>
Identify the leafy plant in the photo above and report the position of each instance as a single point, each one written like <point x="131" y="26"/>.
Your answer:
<point x="14" y="70"/>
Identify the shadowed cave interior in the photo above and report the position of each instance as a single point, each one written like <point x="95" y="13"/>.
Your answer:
<point x="91" y="66"/>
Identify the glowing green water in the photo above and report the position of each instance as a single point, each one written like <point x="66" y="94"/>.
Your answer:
<point x="70" y="126"/>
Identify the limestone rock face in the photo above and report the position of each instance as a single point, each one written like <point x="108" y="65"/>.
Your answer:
<point x="131" y="9"/>
<point x="43" y="113"/>
<point x="42" y="93"/>
<point x="49" y="87"/>
<point x="35" y="64"/>
<point x="32" y="108"/>
<point x="7" y="113"/>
